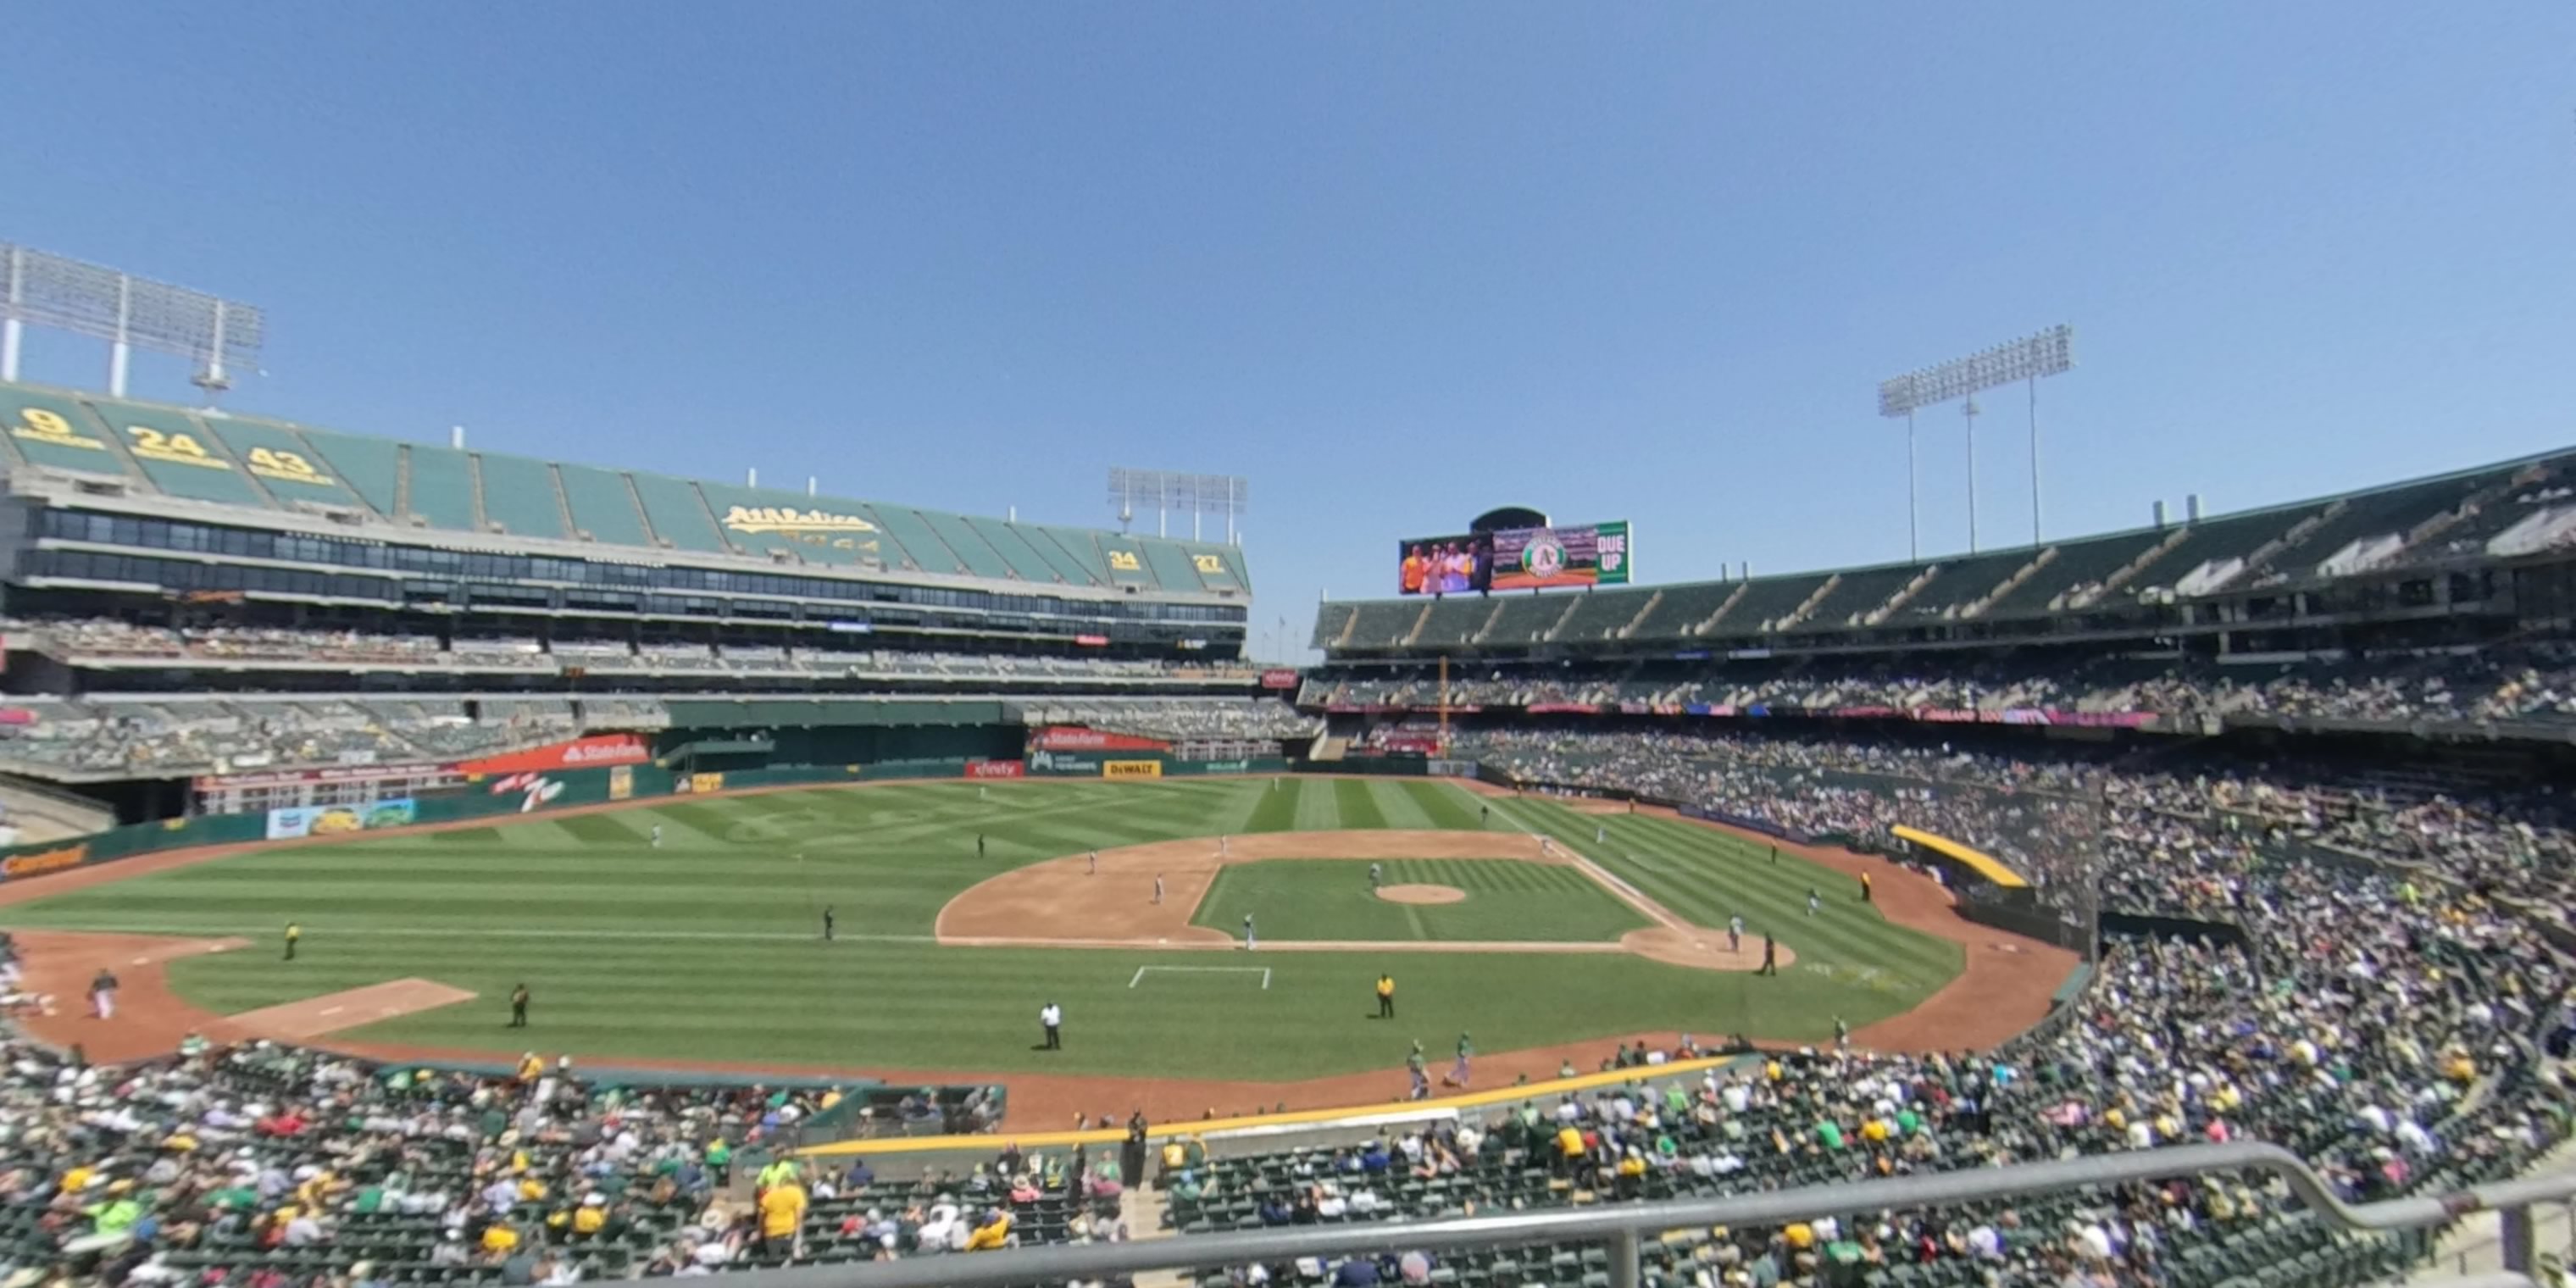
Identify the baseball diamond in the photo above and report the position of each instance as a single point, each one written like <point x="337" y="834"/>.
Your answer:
<point x="706" y="950"/>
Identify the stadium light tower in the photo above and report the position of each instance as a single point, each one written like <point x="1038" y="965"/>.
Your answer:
<point x="2023" y="361"/>
<point x="1165" y="492"/>
<point x="126" y="311"/>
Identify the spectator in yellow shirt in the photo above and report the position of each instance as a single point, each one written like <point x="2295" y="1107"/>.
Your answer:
<point x="782" y="1211"/>
<point x="994" y="1233"/>
<point x="499" y="1239"/>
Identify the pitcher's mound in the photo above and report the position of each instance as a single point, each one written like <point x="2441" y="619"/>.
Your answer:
<point x="1422" y="894"/>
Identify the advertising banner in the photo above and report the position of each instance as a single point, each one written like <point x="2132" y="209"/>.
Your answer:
<point x="1131" y="769"/>
<point x="995" y="769"/>
<point x="1279" y="679"/>
<point x="1075" y="738"/>
<point x="340" y="820"/>
<point x="1063" y="763"/>
<point x="621" y="782"/>
<point x="43" y="861"/>
<point x="1564" y="708"/>
<point x="580" y="753"/>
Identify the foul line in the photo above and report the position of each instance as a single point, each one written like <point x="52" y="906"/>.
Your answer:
<point x="521" y="932"/>
<point x="1619" y="888"/>
<point x="1263" y="971"/>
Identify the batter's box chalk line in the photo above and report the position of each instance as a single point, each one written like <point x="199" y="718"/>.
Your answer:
<point x="1262" y="971"/>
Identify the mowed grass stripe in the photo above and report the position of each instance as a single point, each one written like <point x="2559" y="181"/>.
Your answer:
<point x="1449" y="805"/>
<point x="1736" y="877"/>
<point x="1319" y="809"/>
<point x="1276" y="810"/>
<point x="1357" y="805"/>
<point x="1396" y="807"/>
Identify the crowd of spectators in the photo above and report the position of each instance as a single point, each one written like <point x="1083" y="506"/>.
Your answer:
<point x="292" y="1168"/>
<point x="1240" y="719"/>
<point x="107" y="638"/>
<point x="2402" y="1023"/>
<point x="175" y="736"/>
<point x="2164" y="831"/>
<point x="2391" y="1042"/>
<point x="2399" y="1022"/>
<point x="2523" y="683"/>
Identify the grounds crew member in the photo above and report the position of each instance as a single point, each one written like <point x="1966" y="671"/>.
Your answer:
<point x="1386" y="997"/>
<point x="519" y="1007"/>
<point x="293" y="932"/>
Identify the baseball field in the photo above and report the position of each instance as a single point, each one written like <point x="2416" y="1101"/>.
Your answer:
<point x="1526" y="922"/>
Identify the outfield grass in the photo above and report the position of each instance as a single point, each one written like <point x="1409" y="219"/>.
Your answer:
<point x="1329" y="899"/>
<point x="709" y="947"/>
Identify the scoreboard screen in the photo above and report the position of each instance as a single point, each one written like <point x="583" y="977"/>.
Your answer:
<point x="1591" y="554"/>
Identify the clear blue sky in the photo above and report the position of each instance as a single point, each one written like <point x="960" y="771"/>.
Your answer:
<point x="1396" y="263"/>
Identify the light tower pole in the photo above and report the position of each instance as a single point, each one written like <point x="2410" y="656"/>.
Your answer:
<point x="2026" y="360"/>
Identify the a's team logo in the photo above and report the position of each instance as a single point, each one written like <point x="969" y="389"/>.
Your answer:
<point x="791" y="521"/>
<point x="534" y="789"/>
<point x="1544" y="556"/>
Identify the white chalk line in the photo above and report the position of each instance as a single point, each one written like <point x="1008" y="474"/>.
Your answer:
<point x="1262" y="971"/>
<point x="522" y="932"/>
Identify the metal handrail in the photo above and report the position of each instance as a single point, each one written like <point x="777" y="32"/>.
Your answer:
<point x="1623" y="1225"/>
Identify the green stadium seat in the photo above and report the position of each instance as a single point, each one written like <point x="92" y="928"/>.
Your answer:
<point x="1856" y="594"/>
<point x="604" y="506"/>
<point x="921" y="543"/>
<point x="1082" y="547"/>
<point x="293" y="469"/>
<point x="678" y="515"/>
<point x="439" y="487"/>
<point x="1169" y="563"/>
<point x="1126" y="560"/>
<point x="1602" y="614"/>
<point x="961" y="538"/>
<point x="57" y="432"/>
<point x="1526" y="619"/>
<point x="519" y="495"/>
<point x="178" y="455"/>
<point x="1030" y="561"/>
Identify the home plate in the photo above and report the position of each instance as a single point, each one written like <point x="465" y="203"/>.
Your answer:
<point x="331" y="1012"/>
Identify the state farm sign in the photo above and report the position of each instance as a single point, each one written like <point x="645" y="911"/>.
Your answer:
<point x="1070" y="738"/>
